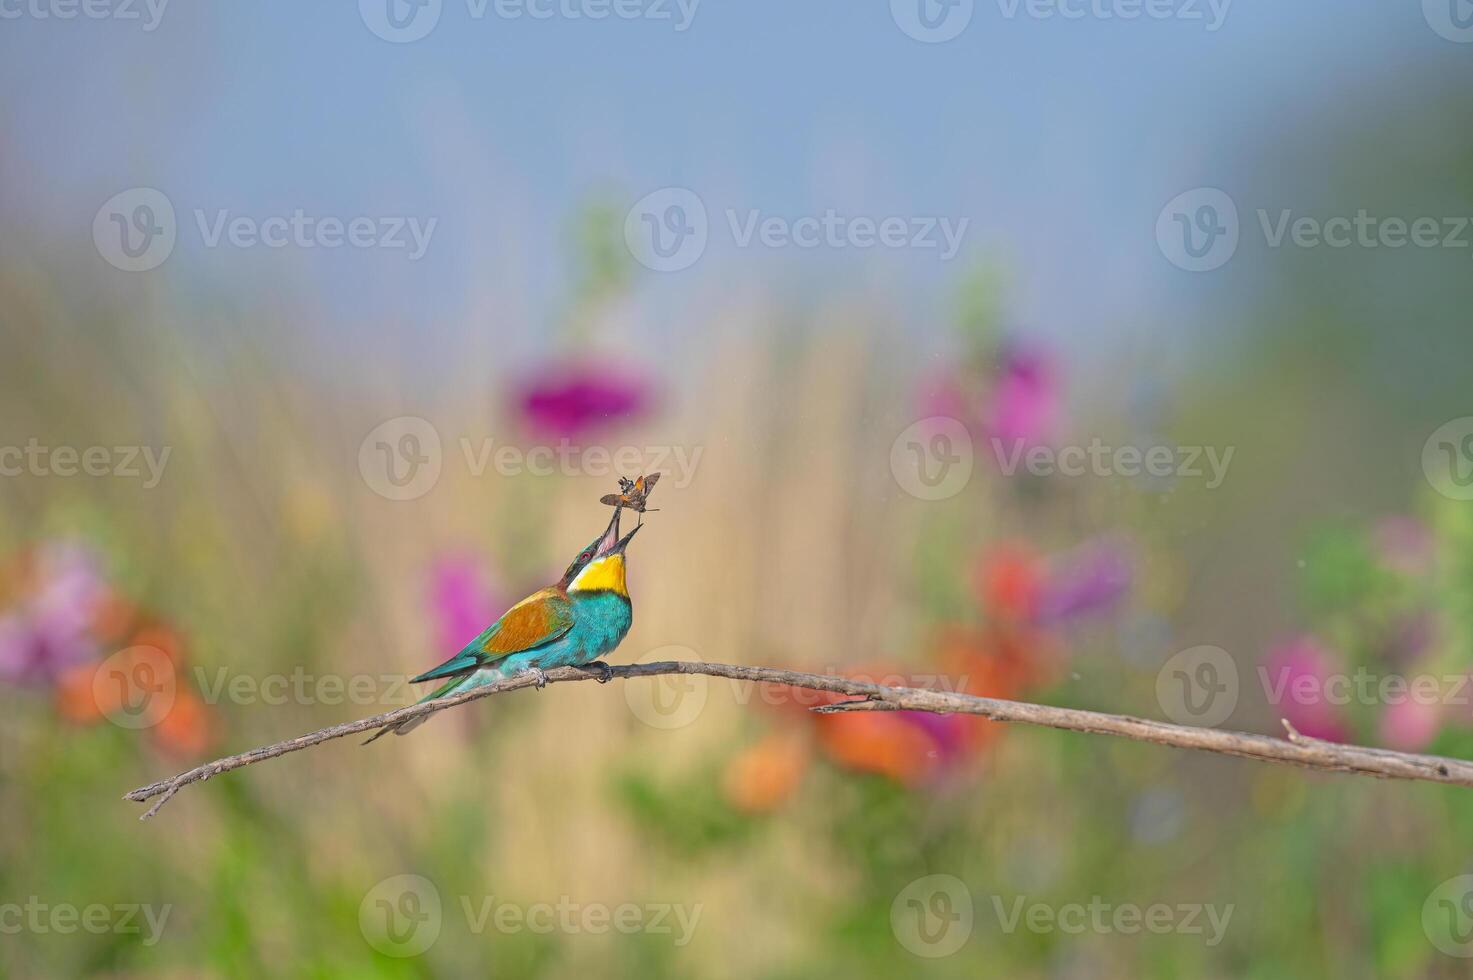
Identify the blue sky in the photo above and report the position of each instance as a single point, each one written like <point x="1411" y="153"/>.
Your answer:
<point x="1058" y="139"/>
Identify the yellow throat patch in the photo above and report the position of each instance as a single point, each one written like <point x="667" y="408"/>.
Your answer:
<point x="605" y="573"/>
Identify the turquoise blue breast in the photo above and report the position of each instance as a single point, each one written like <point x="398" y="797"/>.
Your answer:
<point x="600" y="620"/>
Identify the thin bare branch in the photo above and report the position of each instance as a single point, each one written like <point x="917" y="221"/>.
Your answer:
<point x="1297" y="749"/>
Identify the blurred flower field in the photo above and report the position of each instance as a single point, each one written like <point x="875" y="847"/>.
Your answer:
<point x="314" y="512"/>
<point x="141" y="634"/>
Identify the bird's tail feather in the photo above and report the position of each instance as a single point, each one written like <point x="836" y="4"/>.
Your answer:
<point x="410" y="724"/>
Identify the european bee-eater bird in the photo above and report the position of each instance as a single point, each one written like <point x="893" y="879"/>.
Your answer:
<point x="573" y="623"/>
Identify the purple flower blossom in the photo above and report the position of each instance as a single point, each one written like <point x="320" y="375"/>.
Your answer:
<point x="1091" y="579"/>
<point x="570" y="400"/>
<point x="49" y="627"/>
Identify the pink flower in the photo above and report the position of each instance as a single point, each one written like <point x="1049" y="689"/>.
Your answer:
<point x="1023" y="404"/>
<point x="1410" y="725"/>
<point x="463" y="599"/>
<point x="1298" y="671"/>
<point x="567" y="401"/>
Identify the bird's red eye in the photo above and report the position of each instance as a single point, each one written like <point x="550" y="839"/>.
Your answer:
<point x="585" y="556"/>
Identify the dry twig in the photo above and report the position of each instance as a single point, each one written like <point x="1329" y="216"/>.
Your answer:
<point x="1297" y="749"/>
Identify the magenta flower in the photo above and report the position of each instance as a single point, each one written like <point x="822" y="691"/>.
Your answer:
<point x="1298" y="672"/>
<point x="464" y="600"/>
<point x="1023" y="405"/>
<point x="949" y="733"/>
<point x="571" y="400"/>
<point x="1088" y="580"/>
<point x="49" y="627"/>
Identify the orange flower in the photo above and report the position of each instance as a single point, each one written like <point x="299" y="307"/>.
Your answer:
<point x="1008" y="580"/>
<point x="161" y="638"/>
<point x="74" y="698"/>
<point x="763" y="776"/>
<point x="186" y="730"/>
<point x="879" y="742"/>
<point x="114" y="616"/>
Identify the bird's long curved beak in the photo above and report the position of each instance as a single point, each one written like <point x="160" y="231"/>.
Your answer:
<point x="624" y="541"/>
<point x="610" y="542"/>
